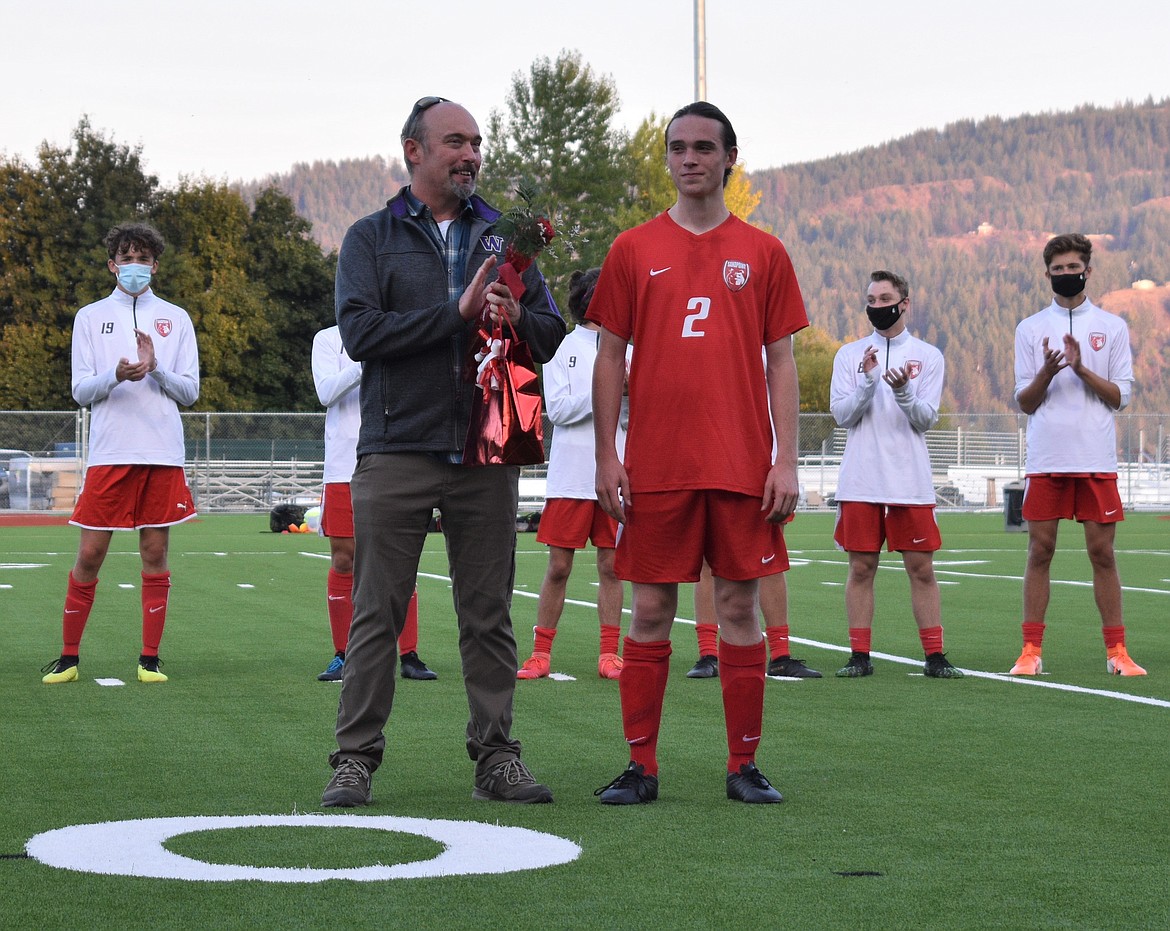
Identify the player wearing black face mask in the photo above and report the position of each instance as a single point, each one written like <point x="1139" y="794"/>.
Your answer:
<point x="1069" y="286"/>
<point x="885" y="316"/>
<point x="1073" y="370"/>
<point x="885" y="493"/>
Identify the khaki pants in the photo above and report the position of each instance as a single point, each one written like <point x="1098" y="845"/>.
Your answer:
<point x="394" y="495"/>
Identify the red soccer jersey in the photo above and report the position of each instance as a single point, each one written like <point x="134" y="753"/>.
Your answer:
<point x="698" y="308"/>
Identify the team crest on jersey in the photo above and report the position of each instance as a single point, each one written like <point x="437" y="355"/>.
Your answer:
<point x="913" y="368"/>
<point x="163" y="327"/>
<point x="493" y="244"/>
<point x="1097" y="341"/>
<point x="736" y="274"/>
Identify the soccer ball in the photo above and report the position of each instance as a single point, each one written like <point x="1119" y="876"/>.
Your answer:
<point x="313" y="519"/>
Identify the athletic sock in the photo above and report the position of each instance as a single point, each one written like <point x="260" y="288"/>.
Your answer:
<point x="932" y="639"/>
<point x="610" y="634"/>
<point x="78" y="604"/>
<point x="156" y="590"/>
<point x="741" y="677"/>
<point x="859" y="639"/>
<point x="777" y="640"/>
<point x="1114" y="636"/>
<point x="708" y="635"/>
<point x="543" y="639"/>
<point x="1033" y="633"/>
<point x="642" y="685"/>
<point x="408" y="639"/>
<point x="339" y="592"/>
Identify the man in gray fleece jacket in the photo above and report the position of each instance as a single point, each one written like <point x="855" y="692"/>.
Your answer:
<point x="411" y="281"/>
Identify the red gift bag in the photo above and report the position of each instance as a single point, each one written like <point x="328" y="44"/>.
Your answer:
<point x="506" y="425"/>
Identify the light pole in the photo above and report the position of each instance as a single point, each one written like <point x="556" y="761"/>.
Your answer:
<point x="700" y="50"/>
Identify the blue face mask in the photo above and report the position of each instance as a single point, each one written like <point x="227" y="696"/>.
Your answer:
<point x="134" y="279"/>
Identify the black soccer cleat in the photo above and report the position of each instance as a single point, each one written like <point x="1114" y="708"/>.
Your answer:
<point x="706" y="668"/>
<point x="751" y="786"/>
<point x="858" y="666"/>
<point x="632" y="787"/>
<point x="415" y="668"/>
<point x="939" y="667"/>
<point x="790" y="668"/>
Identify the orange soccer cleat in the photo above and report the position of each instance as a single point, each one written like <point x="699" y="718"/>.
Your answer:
<point x="1119" y="663"/>
<point x="1029" y="663"/>
<point x="609" y="665"/>
<point x="535" y="667"/>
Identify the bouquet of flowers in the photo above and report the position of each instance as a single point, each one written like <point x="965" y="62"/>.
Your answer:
<point x="526" y="233"/>
<point x="505" y="426"/>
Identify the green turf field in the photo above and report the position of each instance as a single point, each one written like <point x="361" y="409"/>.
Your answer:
<point x="976" y="803"/>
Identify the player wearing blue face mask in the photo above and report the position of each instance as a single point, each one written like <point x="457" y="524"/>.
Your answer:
<point x="135" y="361"/>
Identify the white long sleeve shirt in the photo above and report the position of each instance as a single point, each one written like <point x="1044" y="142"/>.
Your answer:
<point x="886" y="460"/>
<point x="337" y="378"/>
<point x="568" y="398"/>
<point x="134" y="422"/>
<point x="1073" y="430"/>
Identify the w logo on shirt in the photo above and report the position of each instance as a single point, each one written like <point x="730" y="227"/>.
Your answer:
<point x="1097" y="341"/>
<point x="163" y="327"/>
<point x="493" y="244"/>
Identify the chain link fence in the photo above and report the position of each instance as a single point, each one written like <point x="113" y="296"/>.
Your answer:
<point x="252" y="462"/>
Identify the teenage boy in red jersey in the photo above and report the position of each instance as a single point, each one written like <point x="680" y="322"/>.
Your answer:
<point x="134" y="362"/>
<point x="698" y="292"/>
<point x="1074" y="368"/>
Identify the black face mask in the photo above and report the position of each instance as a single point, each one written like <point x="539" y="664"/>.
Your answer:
<point x="1068" y="285"/>
<point x="883" y="318"/>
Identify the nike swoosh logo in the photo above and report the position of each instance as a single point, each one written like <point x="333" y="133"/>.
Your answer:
<point x="637" y="740"/>
<point x="1111" y="513"/>
<point x="72" y="610"/>
<point x="337" y="598"/>
<point x="767" y="559"/>
<point x="748" y="740"/>
<point x="156" y="609"/>
<point x="920" y="539"/>
<point x="655" y="272"/>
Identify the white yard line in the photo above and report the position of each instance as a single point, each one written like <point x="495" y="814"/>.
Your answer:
<point x="904" y="660"/>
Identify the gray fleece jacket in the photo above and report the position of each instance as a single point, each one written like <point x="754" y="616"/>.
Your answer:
<point x="395" y="318"/>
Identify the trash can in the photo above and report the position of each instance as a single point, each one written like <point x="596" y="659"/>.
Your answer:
<point x="1013" y="507"/>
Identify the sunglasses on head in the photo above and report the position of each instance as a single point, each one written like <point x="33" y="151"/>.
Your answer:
<point x="420" y="105"/>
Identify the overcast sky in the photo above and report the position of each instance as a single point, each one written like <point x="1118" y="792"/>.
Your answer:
<point x="243" y="89"/>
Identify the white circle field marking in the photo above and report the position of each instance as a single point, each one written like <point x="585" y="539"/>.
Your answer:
<point x="135" y="848"/>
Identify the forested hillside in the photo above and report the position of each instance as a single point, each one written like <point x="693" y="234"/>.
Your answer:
<point x="964" y="213"/>
<point x="334" y="194"/>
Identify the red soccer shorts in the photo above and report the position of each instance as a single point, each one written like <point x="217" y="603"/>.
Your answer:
<point x="336" y="510"/>
<point x="667" y="534"/>
<point x="862" y="527"/>
<point x="1066" y="497"/>
<point x="572" y="522"/>
<point x="130" y="497"/>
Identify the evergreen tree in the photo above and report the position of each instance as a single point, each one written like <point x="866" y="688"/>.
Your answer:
<point x="557" y="137"/>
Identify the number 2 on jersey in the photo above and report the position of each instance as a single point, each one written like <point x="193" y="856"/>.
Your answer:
<point x="702" y="307"/>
